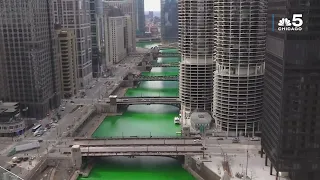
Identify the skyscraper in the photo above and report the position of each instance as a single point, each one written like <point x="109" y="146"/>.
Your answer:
<point x="140" y="18"/>
<point x="118" y="34"/>
<point x="29" y="62"/>
<point x="97" y="36"/>
<point x="197" y="63"/>
<point x="75" y="14"/>
<point x="169" y="20"/>
<point x="291" y="119"/>
<point x="240" y="41"/>
<point x="128" y="7"/>
<point x="68" y="62"/>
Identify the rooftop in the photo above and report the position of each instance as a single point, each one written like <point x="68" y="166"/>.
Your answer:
<point x="201" y="117"/>
<point x="8" y="107"/>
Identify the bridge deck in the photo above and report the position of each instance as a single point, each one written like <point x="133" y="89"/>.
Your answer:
<point x="138" y="150"/>
<point x="135" y="142"/>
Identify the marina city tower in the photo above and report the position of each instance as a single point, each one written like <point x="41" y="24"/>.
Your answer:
<point x="240" y="40"/>
<point x="197" y="63"/>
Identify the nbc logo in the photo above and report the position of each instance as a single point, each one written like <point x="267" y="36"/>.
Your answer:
<point x="284" y="22"/>
<point x="294" y="25"/>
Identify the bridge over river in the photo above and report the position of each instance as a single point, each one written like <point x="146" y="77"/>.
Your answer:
<point x="156" y="78"/>
<point x="151" y="146"/>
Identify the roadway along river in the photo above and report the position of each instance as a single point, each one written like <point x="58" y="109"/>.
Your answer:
<point x="143" y="120"/>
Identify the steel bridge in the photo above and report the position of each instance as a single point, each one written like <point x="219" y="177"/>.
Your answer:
<point x="162" y="54"/>
<point x="148" y="100"/>
<point x="135" y="146"/>
<point x="174" y="64"/>
<point x="156" y="78"/>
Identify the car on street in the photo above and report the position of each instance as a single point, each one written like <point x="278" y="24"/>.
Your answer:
<point x="254" y="139"/>
<point x="235" y="140"/>
<point x="220" y="138"/>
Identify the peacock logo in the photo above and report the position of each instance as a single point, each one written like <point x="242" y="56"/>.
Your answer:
<point x="284" y="22"/>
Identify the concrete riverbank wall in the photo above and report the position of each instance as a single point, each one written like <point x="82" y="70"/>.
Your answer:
<point x="197" y="168"/>
<point x="59" y="163"/>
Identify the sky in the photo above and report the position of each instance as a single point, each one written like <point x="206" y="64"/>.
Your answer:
<point x="152" y="5"/>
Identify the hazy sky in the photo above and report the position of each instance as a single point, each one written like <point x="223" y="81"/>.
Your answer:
<point x="152" y="5"/>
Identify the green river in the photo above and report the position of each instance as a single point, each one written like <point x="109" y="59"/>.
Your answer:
<point x="143" y="120"/>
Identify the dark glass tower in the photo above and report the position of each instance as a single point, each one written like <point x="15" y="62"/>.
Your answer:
<point x="140" y="18"/>
<point x="169" y="20"/>
<point x="291" y="119"/>
<point x="29" y="56"/>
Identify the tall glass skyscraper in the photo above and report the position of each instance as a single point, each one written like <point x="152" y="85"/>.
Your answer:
<point x="169" y="20"/>
<point x="140" y="18"/>
<point x="291" y="119"/>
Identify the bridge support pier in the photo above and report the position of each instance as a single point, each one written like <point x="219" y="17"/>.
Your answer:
<point x="76" y="156"/>
<point x="187" y="160"/>
<point x="185" y="131"/>
<point x="130" y="81"/>
<point x="143" y="66"/>
<point x="113" y="104"/>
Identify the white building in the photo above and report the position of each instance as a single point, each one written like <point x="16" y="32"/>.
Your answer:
<point x="196" y="45"/>
<point x="127" y="7"/>
<point x="119" y="38"/>
<point x="240" y="39"/>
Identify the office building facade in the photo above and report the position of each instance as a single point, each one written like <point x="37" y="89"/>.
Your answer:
<point x="140" y="18"/>
<point x="68" y="62"/>
<point x="291" y="118"/>
<point x="127" y="7"/>
<point x="75" y="14"/>
<point x="169" y="20"/>
<point x="197" y="61"/>
<point x="97" y="36"/>
<point x="240" y="41"/>
<point x="118" y="34"/>
<point x="29" y="62"/>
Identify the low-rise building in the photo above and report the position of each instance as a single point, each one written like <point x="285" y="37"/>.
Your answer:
<point x="11" y="123"/>
<point x="200" y="121"/>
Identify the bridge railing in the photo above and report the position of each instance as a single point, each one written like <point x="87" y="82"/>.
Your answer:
<point x="136" y="137"/>
<point x="149" y="97"/>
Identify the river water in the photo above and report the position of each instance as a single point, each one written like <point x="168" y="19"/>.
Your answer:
<point x="143" y="120"/>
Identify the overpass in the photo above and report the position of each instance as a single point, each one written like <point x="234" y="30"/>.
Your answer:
<point x="148" y="100"/>
<point x="173" y="64"/>
<point x="130" y="100"/>
<point x="135" y="141"/>
<point x="162" y="54"/>
<point x="134" y="146"/>
<point x="156" y="78"/>
<point x="140" y="151"/>
<point x="144" y="39"/>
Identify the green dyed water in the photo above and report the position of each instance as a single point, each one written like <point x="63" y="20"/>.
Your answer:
<point x="160" y="71"/>
<point x="169" y="50"/>
<point x="143" y="120"/>
<point x="139" y="168"/>
<point x="147" y="45"/>
<point x="154" y="89"/>
<point x="168" y="59"/>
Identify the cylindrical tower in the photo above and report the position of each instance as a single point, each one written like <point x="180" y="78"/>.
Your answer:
<point x="197" y="64"/>
<point x="240" y="41"/>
